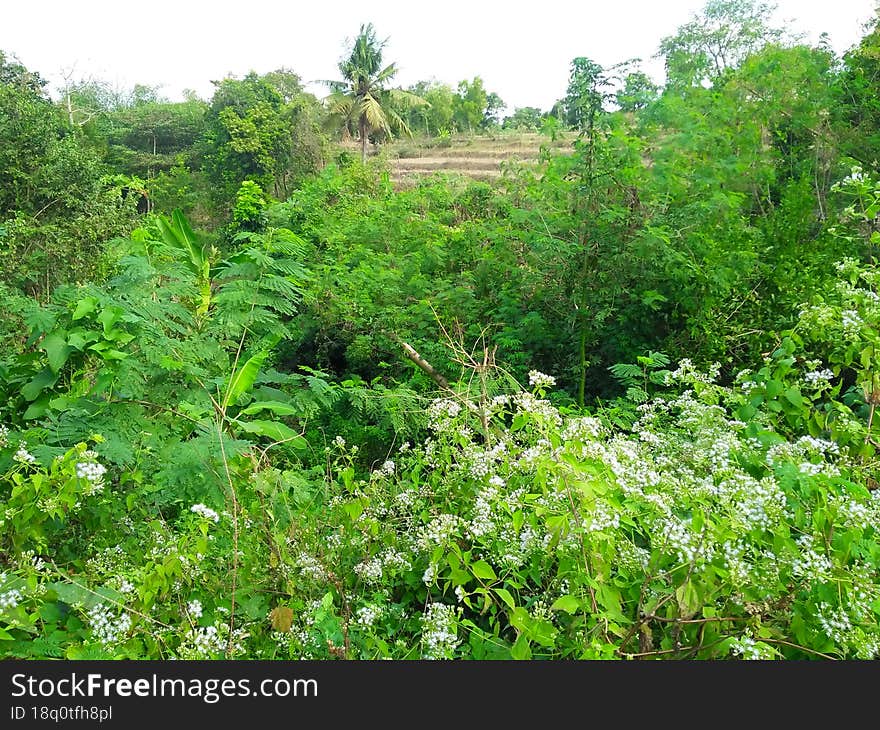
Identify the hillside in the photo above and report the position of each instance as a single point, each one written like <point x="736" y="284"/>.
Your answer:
<point x="481" y="157"/>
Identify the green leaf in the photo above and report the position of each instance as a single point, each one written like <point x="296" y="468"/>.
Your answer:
<point x="57" y="350"/>
<point x="243" y="379"/>
<point x="79" y="338"/>
<point x="42" y="380"/>
<point x="544" y="632"/>
<point x="108" y="317"/>
<point x="482" y="569"/>
<point x="37" y="408"/>
<point x="84" y="306"/>
<point x="277" y="407"/>
<point x="689" y="599"/>
<point x="520" y="619"/>
<point x="773" y="388"/>
<point x="521" y="649"/>
<point x="50" y="612"/>
<point x="271" y="429"/>
<point x="569" y="604"/>
<point x="107" y="352"/>
<point x="505" y="596"/>
<point x="793" y="396"/>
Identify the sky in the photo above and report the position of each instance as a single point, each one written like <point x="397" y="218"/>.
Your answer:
<point x="522" y="50"/>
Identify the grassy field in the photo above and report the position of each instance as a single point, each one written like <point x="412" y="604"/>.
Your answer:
<point x="480" y="157"/>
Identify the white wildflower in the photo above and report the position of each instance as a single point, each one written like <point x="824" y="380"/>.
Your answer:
<point x="538" y="379"/>
<point x="205" y="512"/>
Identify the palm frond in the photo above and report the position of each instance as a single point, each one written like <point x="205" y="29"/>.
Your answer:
<point x="376" y="116"/>
<point x="406" y="99"/>
<point x="386" y="74"/>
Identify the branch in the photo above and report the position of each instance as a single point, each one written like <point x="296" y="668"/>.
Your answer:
<point x="429" y="369"/>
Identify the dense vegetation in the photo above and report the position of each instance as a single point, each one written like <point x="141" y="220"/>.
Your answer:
<point x="258" y="403"/>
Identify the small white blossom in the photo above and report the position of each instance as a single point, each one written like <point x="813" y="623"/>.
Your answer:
<point x="439" y="632"/>
<point x="23" y="456"/>
<point x="538" y="379"/>
<point x="107" y="628"/>
<point x="816" y="377"/>
<point x="205" y="512"/>
<point x="368" y="615"/>
<point x="10" y="599"/>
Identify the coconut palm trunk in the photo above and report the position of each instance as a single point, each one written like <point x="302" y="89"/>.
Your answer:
<point x="363" y="132"/>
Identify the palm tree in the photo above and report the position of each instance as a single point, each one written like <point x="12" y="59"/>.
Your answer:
<point x="360" y="102"/>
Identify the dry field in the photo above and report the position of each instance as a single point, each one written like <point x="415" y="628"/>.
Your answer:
<point x="479" y="157"/>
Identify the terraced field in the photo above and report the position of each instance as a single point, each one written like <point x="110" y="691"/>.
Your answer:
<point x="479" y="157"/>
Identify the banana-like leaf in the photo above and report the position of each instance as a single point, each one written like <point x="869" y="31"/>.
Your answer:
<point x="273" y="430"/>
<point x="178" y="234"/>
<point x="277" y="407"/>
<point x="242" y="380"/>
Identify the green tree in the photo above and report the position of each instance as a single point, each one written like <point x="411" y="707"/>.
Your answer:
<point x="857" y="111"/>
<point x="149" y="138"/>
<point x="437" y="114"/>
<point x="360" y="102"/>
<point x="470" y="105"/>
<point x="526" y="117"/>
<point x="587" y="92"/>
<point x="56" y="207"/>
<point x="717" y="38"/>
<point x="261" y="129"/>
<point x="637" y="92"/>
<point x="494" y="106"/>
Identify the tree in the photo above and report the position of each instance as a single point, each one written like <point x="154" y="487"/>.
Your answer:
<point x="718" y="38"/>
<point x="526" y="117"/>
<point x="260" y="128"/>
<point x="586" y="94"/>
<point x="494" y="106"/>
<point x="56" y="208"/>
<point x="470" y="104"/>
<point x="148" y="138"/>
<point x="437" y="115"/>
<point x="637" y="92"/>
<point x="360" y="102"/>
<point x="857" y="112"/>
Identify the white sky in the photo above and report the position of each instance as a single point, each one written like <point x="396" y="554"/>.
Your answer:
<point x="522" y="50"/>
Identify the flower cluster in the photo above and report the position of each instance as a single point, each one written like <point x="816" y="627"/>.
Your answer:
<point x="107" y="628"/>
<point x="439" y="632"/>
<point x="93" y="473"/>
<point x="746" y="647"/>
<point x="23" y="456"/>
<point x="204" y="642"/>
<point x="374" y="569"/>
<point x="10" y="599"/>
<point x="817" y="377"/>
<point x="810" y="564"/>
<point x="852" y="323"/>
<point x="367" y="615"/>
<point x="205" y="512"/>
<point x="538" y="379"/>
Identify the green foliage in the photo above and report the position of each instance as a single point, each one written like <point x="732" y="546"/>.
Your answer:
<point x="56" y="207"/>
<point x="303" y="435"/>
<point x="255" y="133"/>
<point x="361" y="102"/>
<point x="524" y="118"/>
<point x="717" y="38"/>
<point x="249" y="206"/>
